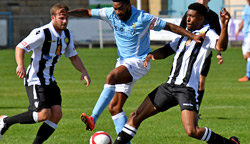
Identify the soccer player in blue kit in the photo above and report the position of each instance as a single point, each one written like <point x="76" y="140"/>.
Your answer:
<point x="131" y="30"/>
<point x="245" y="25"/>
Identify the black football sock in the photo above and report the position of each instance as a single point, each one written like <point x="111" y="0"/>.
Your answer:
<point x="201" y="93"/>
<point x="23" y="118"/>
<point x="212" y="138"/>
<point x="125" y="137"/>
<point x="44" y="132"/>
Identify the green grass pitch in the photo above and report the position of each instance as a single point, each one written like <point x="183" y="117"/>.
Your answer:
<point x="225" y="108"/>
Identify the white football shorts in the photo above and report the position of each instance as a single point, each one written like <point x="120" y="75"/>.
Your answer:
<point x="136" y="69"/>
<point x="246" y="46"/>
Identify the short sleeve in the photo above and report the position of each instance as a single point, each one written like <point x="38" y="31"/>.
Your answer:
<point x="213" y="37"/>
<point x="95" y="13"/>
<point x="33" y="40"/>
<point x="157" y="24"/>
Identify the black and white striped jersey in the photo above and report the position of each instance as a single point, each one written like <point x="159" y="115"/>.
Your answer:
<point x="47" y="46"/>
<point x="189" y="58"/>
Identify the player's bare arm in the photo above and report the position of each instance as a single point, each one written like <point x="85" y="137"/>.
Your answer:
<point x="20" y="70"/>
<point x="77" y="63"/>
<point x="181" y="31"/>
<point x="221" y="44"/>
<point x="80" y="12"/>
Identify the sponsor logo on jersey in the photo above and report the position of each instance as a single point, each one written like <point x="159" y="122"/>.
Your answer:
<point x="58" y="50"/>
<point x="51" y="41"/>
<point x="153" y="23"/>
<point x="47" y="57"/>
<point x="66" y="40"/>
<point x="36" y="104"/>
<point x="188" y="42"/>
<point x="25" y="45"/>
<point x="133" y="25"/>
<point x="37" y="32"/>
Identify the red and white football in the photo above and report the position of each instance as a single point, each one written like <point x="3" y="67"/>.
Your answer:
<point x="100" y="137"/>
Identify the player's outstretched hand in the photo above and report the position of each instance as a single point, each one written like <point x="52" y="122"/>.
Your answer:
<point x="147" y="59"/>
<point x="224" y="16"/>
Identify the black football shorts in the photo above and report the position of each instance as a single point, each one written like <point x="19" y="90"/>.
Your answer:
<point x="166" y="96"/>
<point x="43" y="96"/>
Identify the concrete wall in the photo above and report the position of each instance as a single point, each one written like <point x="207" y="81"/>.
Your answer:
<point x="235" y="7"/>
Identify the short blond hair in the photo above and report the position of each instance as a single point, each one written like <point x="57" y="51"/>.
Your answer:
<point x="56" y="7"/>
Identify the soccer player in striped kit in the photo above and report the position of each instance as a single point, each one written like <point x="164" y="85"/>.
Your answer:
<point x="48" y="43"/>
<point x="182" y="85"/>
<point x="213" y="20"/>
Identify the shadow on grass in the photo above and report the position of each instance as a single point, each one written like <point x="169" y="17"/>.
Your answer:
<point x="14" y="107"/>
<point x="221" y="118"/>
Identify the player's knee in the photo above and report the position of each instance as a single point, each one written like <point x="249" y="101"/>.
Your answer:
<point x="110" y="80"/>
<point x="58" y="115"/>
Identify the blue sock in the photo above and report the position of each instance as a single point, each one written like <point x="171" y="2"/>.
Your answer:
<point x="120" y="120"/>
<point x="104" y="99"/>
<point x="248" y="68"/>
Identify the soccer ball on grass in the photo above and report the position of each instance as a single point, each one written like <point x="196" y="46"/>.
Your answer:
<point x="100" y="137"/>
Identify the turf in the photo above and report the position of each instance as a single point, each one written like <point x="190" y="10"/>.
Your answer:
<point x="225" y="107"/>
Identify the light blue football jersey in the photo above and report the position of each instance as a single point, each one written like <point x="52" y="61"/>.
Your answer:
<point x="133" y="36"/>
<point x="246" y="17"/>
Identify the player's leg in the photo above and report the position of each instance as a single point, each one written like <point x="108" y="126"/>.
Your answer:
<point x="137" y="71"/>
<point x="204" y="72"/>
<point x="201" y="89"/>
<point x="37" y="110"/>
<point x="115" y="108"/>
<point x="159" y="99"/>
<point x="53" y="101"/>
<point x="145" y="110"/>
<point x="118" y="75"/>
<point x="49" y="125"/>
<point x="248" y="65"/>
<point x="186" y="101"/>
<point x="122" y="79"/>
<point x="190" y="123"/>
<point x="246" y="55"/>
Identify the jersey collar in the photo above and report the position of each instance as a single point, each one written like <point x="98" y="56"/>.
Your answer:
<point x="51" y="27"/>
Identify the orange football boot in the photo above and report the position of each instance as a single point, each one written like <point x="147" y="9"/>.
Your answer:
<point x="89" y="121"/>
<point x="243" y="79"/>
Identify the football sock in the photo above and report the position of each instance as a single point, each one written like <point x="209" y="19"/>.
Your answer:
<point x="120" y="120"/>
<point x="104" y="99"/>
<point x="212" y="138"/>
<point x="28" y="117"/>
<point x="44" y="132"/>
<point x="200" y="96"/>
<point x="125" y="136"/>
<point x="248" y="68"/>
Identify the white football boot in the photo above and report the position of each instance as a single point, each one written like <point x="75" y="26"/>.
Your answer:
<point x="1" y="124"/>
